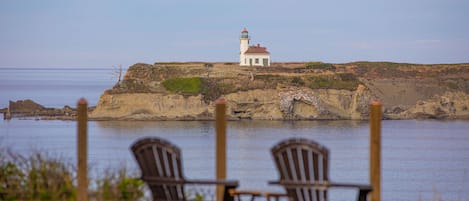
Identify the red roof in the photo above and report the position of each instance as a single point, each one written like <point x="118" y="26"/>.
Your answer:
<point x="244" y="30"/>
<point x="257" y="50"/>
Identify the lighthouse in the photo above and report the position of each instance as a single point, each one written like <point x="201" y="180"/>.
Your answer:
<point x="252" y="55"/>
<point x="243" y="43"/>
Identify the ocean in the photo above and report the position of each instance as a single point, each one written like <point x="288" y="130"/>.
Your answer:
<point x="53" y="87"/>
<point x="421" y="159"/>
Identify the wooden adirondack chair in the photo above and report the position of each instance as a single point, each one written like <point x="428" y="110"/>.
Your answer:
<point x="161" y="166"/>
<point x="304" y="166"/>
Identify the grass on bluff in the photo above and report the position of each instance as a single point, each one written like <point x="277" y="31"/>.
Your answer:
<point x="345" y="81"/>
<point x="215" y="87"/>
<point x="320" y="66"/>
<point x="184" y="85"/>
<point x="211" y="88"/>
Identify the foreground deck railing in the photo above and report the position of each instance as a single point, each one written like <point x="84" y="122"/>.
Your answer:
<point x="220" y="149"/>
<point x="375" y="150"/>
<point x="82" y="148"/>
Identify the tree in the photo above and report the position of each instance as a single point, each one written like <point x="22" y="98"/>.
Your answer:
<point x="117" y="73"/>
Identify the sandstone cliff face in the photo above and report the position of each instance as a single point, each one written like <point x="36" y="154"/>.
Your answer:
<point x="290" y="92"/>
<point x="446" y="106"/>
<point x="150" y="106"/>
<point x="271" y="104"/>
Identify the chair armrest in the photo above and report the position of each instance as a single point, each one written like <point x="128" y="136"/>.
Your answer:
<point x="363" y="189"/>
<point x="148" y="179"/>
<point x="159" y="180"/>
<point x="319" y="184"/>
<point x="232" y="183"/>
<point x="348" y="185"/>
<point x="245" y="192"/>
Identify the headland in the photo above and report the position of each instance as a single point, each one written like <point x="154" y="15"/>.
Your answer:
<point x="287" y="91"/>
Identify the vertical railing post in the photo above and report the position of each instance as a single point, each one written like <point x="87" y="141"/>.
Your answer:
<point x="220" y="143"/>
<point x="375" y="150"/>
<point x="82" y="173"/>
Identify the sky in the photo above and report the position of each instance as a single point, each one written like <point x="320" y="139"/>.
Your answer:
<point x="105" y="33"/>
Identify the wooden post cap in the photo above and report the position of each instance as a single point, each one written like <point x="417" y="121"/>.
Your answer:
<point x="375" y="102"/>
<point x="221" y="100"/>
<point x="82" y="101"/>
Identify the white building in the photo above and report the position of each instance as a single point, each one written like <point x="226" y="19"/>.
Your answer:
<point x="252" y="55"/>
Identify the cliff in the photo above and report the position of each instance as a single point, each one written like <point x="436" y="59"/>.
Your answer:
<point x="287" y="91"/>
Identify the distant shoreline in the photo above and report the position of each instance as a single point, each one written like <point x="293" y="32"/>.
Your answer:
<point x="185" y="91"/>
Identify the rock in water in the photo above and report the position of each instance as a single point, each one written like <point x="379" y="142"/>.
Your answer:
<point x="25" y="106"/>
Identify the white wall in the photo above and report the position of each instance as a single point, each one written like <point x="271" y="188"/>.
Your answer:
<point x="246" y="57"/>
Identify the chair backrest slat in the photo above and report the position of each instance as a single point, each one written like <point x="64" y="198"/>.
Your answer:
<point x="174" y="164"/>
<point x="293" y="164"/>
<point x="282" y="166"/>
<point x="320" y="168"/>
<point x="311" y="166"/>
<point x="157" y="162"/>
<point x="301" y="165"/>
<point x="165" y="162"/>
<point x="302" y="160"/>
<point x="161" y="160"/>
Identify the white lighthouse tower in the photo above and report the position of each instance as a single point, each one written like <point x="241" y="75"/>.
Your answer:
<point x="255" y="55"/>
<point x="243" y="46"/>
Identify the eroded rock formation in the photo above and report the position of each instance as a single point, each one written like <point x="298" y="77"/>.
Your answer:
<point x="291" y="92"/>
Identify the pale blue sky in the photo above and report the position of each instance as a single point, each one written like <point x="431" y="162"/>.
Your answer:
<point x="103" y="33"/>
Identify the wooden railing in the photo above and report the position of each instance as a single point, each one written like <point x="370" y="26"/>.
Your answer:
<point x="375" y="150"/>
<point x="220" y="149"/>
<point x="82" y="148"/>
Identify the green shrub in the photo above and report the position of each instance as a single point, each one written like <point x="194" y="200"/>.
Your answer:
<point x="37" y="177"/>
<point x="272" y="80"/>
<point x="316" y="82"/>
<point x="43" y="178"/>
<point x="11" y="179"/>
<point x="191" y="85"/>
<point x="342" y="81"/>
<point x="118" y="186"/>
<point x="297" y="81"/>
<point x="131" y="85"/>
<point x="320" y="66"/>
<point x="347" y="77"/>
<point x="214" y="88"/>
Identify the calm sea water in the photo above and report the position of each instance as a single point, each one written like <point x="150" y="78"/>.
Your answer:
<point x="421" y="160"/>
<point x="54" y="87"/>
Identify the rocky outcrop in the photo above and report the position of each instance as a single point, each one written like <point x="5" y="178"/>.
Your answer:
<point x="450" y="105"/>
<point x="29" y="108"/>
<point x="271" y="104"/>
<point x="290" y="103"/>
<point x="24" y="106"/>
<point x="324" y="103"/>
